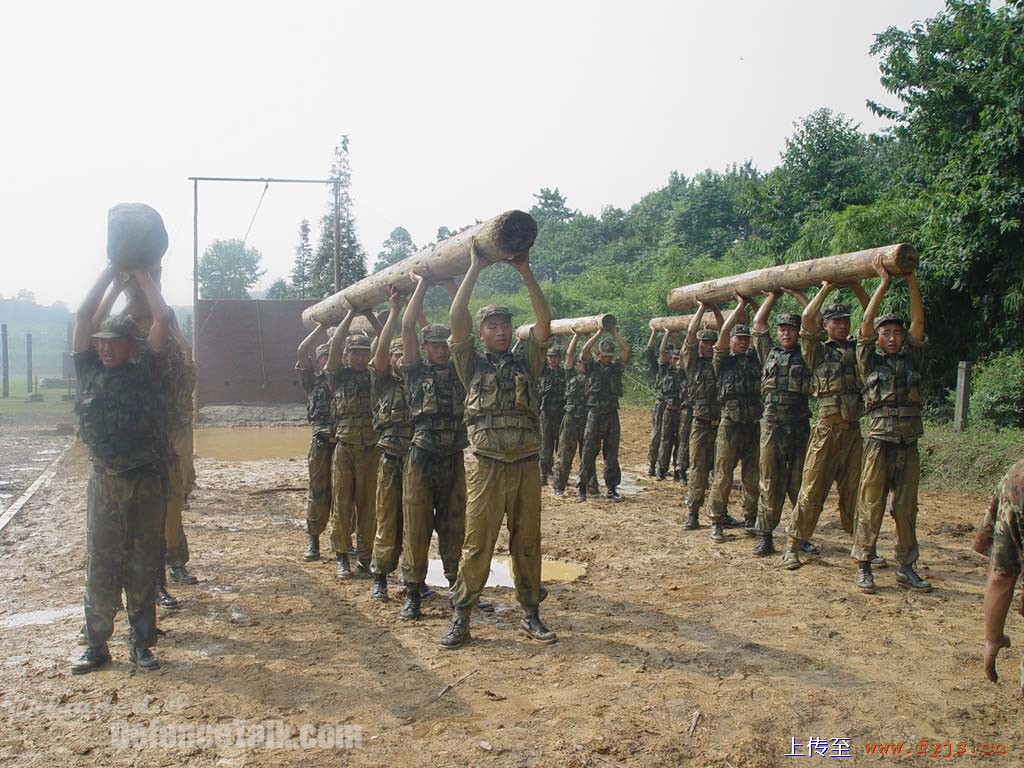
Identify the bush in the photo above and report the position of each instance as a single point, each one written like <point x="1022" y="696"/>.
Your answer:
<point x="997" y="390"/>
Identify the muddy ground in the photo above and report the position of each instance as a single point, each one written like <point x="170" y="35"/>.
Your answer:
<point x="663" y="625"/>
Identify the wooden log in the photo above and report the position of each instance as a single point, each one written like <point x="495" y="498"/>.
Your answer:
<point x="681" y="323"/>
<point x="899" y="259"/>
<point x="136" y="236"/>
<point x="506" y="237"/>
<point x="567" y="327"/>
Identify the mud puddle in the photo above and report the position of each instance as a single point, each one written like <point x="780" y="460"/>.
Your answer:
<point x="251" y="443"/>
<point x="501" y="573"/>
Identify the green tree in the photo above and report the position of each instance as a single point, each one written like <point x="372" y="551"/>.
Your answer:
<point x="279" y="289"/>
<point x="398" y="246"/>
<point x="305" y="265"/>
<point x="228" y="269"/>
<point x="351" y="256"/>
<point x="550" y="206"/>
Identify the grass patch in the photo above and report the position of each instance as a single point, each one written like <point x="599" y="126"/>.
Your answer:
<point x="974" y="460"/>
<point x="16" y="408"/>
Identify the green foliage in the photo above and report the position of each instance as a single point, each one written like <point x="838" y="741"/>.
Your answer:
<point x="351" y="256"/>
<point x="228" y="269"/>
<point x="973" y="461"/>
<point x="997" y="390"/>
<point x="302" y="282"/>
<point x="279" y="289"/>
<point x="397" y="247"/>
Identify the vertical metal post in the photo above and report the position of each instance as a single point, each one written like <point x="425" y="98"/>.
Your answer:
<point x="28" y="360"/>
<point x="5" y="388"/>
<point x="195" y="291"/>
<point x="963" y="396"/>
<point x="337" y="236"/>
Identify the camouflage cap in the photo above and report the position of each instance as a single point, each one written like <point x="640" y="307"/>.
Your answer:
<point x="673" y="352"/>
<point x="492" y="310"/>
<point x="836" y="311"/>
<point x="788" y="318"/>
<point x="555" y="350"/>
<point x="436" y="332"/>
<point x="323" y="349"/>
<point x="118" y="327"/>
<point x="707" y="334"/>
<point x="606" y="347"/>
<point x="358" y="341"/>
<point x="395" y="347"/>
<point x="883" y="319"/>
<point x="739" y="330"/>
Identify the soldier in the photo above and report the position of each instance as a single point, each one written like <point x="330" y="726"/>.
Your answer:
<point x="604" y="387"/>
<point x="786" y="421"/>
<point x="835" y="447"/>
<point x="702" y="383"/>
<point x="656" y="364"/>
<point x="354" y="462"/>
<point x="504" y="434"/>
<point x="121" y="411"/>
<point x="892" y="399"/>
<point x="673" y="389"/>
<point x="435" y="474"/>
<point x="682" y="454"/>
<point x="316" y="384"/>
<point x="552" y="407"/>
<point x="574" y="422"/>
<point x="393" y="425"/>
<point x="1004" y="565"/>
<point x="738" y="369"/>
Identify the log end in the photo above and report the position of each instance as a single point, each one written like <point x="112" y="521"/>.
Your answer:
<point x="516" y="233"/>
<point x="608" y="322"/>
<point x="905" y="258"/>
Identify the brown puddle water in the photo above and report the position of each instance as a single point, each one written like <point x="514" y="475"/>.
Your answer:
<point x="501" y="575"/>
<point x="251" y="443"/>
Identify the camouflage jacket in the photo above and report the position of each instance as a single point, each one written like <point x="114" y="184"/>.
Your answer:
<point x="604" y="385"/>
<point x="317" y="387"/>
<point x="391" y="418"/>
<point x="352" y="404"/>
<point x="552" y="390"/>
<point x="437" y="406"/>
<point x="1005" y="555"/>
<point x="785" y="382"/>
<point x="739" y="385"/>
<point x="892" y="389"/>
<point x="835" y="381"/>
<point x="575" y="392"/>
<point x="702" y="383"/>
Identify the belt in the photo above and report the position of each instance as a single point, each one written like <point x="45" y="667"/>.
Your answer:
<point x="490" y="421"/>
<point x="105" y="470"/>
<point x="908" y="411"/>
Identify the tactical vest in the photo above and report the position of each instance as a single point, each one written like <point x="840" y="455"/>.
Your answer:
<point x="575" y="393"/>
<point x="785" y="386"/>
<point x="122" y="416"/>
<point x="552" y="390"/>
<point x="604" y="387"/>
<point x="672" y="387"/>
<point x="836" y="383"/>
<point x="739" y="387"/>
<point x="352" y="407"/>
<point x="502" y="413"/>
<point x="437" y="404"/>
<point x="703" y="388"/>
<point x="318" y="406"/>
<point x="391" y="416"/>
<point x="893" y="385"/>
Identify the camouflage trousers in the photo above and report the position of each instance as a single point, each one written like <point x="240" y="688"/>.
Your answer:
<point x="783" y="448"/>
<point x="657" y="415"/>
<point x="435" y="500"/>
<point x="888" y="468"/>
<point x="354" y="490"/>
<point x="387" y="539"/>
<point x="702" y="462"/>
<point x="570" y="442"/>
<point x="736" y="444"/>
<point x="175" y="551"/>
<point x="669" y="446"/>
<point x="601" y="434"/>
<point x="834" y="455"/>
<point x="509" y="491"/>
<point x="550" y="424"/>
<point x="318" y="505"/>
<point x="682" y="456"/>
<point x="123" y="516"/>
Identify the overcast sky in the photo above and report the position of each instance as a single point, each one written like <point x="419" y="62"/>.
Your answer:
<point x="456" y="111"/>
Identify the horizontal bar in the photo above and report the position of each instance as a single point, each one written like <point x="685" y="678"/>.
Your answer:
<point x="268" y="181"/>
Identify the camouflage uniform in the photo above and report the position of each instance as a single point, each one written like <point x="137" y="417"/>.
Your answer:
<point x="785" y="425"/>
<point x="1005" y="553"/>
<point x="354" y="463"/>
<point x="393" y="425"/>
<point x="604" y="387"/>
<point x="739" y="384"/>
<point x="703" y="388"/>
<point x="317" y="387"/>
<point x="552" y="408"/>
<point x="674" y="396"/>
<point x="122" y="421"/>
<point x="181" y="382"/>
<point x="504" y="435"/>
<point x="835" y="449"/>
<point x="657" y="370"/>
<point x="570" y="437"/>
<point x="435" y="474"/>
<point x="892" y="399"/>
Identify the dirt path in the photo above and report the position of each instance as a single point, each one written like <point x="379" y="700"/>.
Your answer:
<point x="662" y="625"/>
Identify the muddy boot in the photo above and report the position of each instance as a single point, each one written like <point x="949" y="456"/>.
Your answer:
<point x="676" y="475"/>
<point x="425" y="591"/>
<point x="808" y="548"/>
<point x="877" y="561"/>
<point x="557" y="493"/>
<point x="865" y="581"/>
<point x="907" y="578"/>
<point x="344" y="571"/>
<point x="380" y="588"/>
<point x="791" y="558"/>
<point x="363" y="567"/>
<point x="593" y="490"/>
<point x="180" y="574"/>
<point x="692" y="522"/>
<point x="411" y="610"/>
<point x="717" y="534"/>
<point x="750" y="526"/>
<point x="731" y="522"/>
<point x="165" y="599"/>
<point x="458" y="632"/>
<point x="312" y="553"/>
<point x="143" y="658"/>
<point x="765" y="546"/>
<point x="651" y="471"/>
<point x="613" y="495"/>
<point x="535" y="629"/>
<point x="91" y="660"/>
<point x="660" y="474"/>
<point x="581" y="494"/>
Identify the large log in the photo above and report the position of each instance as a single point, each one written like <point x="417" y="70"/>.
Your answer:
<point x="899" y="259"/>
<point x="506" y="237"/>
<point x="569" y="326"/>
<point x="681" y="323"/>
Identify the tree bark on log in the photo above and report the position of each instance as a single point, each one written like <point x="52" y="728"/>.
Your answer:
<point x="506" y="237"/>
<point x="681" y="323"/>
<point x="569" y="326"/>
<point x="899" y="259"/>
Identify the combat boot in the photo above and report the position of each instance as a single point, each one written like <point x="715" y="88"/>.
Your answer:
<point x="650" y="471"/>
<point x="676" y="475"/>
<point x="613" y="495"/>
<point x="750" y="526"/>
<point x="907" y="578"/>
<point x="731" y="522"/>
<point x="791" y="558"/>
<point x="458" y="632"/>
<point x="765" y="546"/>
<point x="143" y="658"/>
<point x="581" y="494"/>
<point x="411" y="610"/>
<point x="91" y="660"/>
<point x="692" y="522"/>
<point x="380" y="588"/>
<point x="344" y="569"/>
<point x="180" y="574"/>
<point x="543" y="481"/>
<point x="865" y="580"/>
<point x="717" y="534"/>
<point x="165" y="599"/>
<point x="660" y="475"/>
<point x="808" y="548"/>
<point x="534" y="627"/>
<point x="312" y="553"/>
<point x="877" y="561"/>
<point x="363" y="567"/>
<point x="557" y="493"/>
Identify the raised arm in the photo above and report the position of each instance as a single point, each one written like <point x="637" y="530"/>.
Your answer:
<point x="812" y="309"/>
<point x="867" y="326"/>
<point x="113" y="291"/>
<point x="336" y="349"/>
<point x="382" y="355"/>
<point x="585" y="354"/>
<point x="916" y="308"/>
<point x="570" y="352"/>
<point x="462" y="323"/>
<point x="727" y="326"/>
<point x="761" y="318"/>
<point x="541" y="310"/>
<point x="695" y="323"/>
<point x="650" y="340"/>
<point x="306" y="346"/>
<point x="374" y="322"/>
<point x="624" y="345"/>
<point x="160" y="330"/>
<point x="85" y="323"/>
<point x="663" y="348"/>
<point x="410" y="341"/>
<point x="862" y="296"/>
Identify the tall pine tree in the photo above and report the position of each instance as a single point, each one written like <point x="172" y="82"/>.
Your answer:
<point x="351" y="256"/>
<point x="305" y="266"/>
